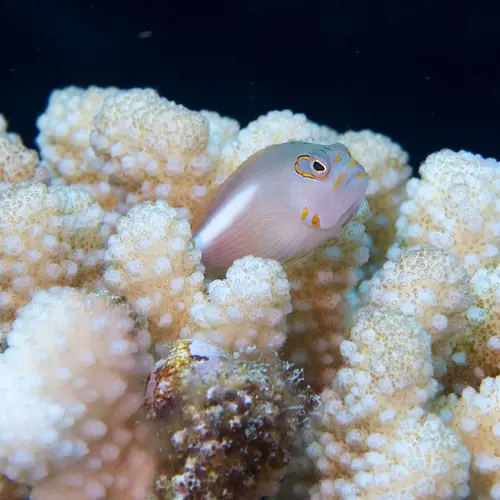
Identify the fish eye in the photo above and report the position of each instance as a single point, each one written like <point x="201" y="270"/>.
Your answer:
<point x="318" y="169"/>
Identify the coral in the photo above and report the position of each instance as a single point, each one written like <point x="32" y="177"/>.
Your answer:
<point x="373" y="439"/>
<point x="185" y="140"/>
<point x="18" y="163"/>
<point x="151" y="260"/>
<point x="64" y="142"/>
<point x="48" y="236"/>
<point x="474" y="417"/>
<point x="428" y="283"/>
<point x="454" y="207"/>
<point x="225" y="426"/>
<point x="71" y="381"/>
<point x="222" y="129"/>
<point x="475" y="351"/>
<point x="245" y="311"/>
<point x="388" y="361"/>
<point x="419" y="458"/>
<point x="154" y="148"/>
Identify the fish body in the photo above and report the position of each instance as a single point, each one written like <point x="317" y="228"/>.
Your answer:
<point x="283" y="202"/>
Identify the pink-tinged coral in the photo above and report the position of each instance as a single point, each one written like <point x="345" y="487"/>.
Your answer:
<point x="475" y="418"/>
<point x="48" y="236"/>
<point x="372" y="437"/>
<point x="71" y="382"/>
<point x="454" y="206"/>
<point x="225" y="426"/>
<point x="151" y="261"/>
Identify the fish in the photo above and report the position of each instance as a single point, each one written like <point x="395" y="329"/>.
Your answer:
<point x="282" y="203"/>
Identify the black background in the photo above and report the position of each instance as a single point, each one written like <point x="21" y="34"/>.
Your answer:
<point x="426" y="73"/>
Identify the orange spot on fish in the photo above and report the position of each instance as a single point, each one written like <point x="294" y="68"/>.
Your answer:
<point x="304" y="213"/>
<point x="315" y="220"/>
<point x="340" y="178"/>
<point x="352" y="163"/>
<point x="337" y="158"/>
<point x="362" y="175"/>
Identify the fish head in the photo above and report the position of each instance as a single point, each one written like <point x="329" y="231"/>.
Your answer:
<point x="328" y="187"/>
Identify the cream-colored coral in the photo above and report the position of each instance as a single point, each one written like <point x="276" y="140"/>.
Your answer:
<point x="48" y="236"/>
<point x="64" y="142"/>
<point x="64" y="130"/>
<point x="153" y="148"/>
<point x="373" y="439"/>
<point x="475" y="352"/>
<point x="222" y="130"/>
<point x="18" y="163"/>
<point x="475" y="418"/>
<point x="388" y="369"/>
<point x="454" y="206"/>
<point x="428" y="283"/>
<point x="418" y="458"/>
<point x="151" y="260"/>
<point x="247" y="310"/>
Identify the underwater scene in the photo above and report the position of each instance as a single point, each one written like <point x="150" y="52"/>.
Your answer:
<point x="240" y="295"/>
